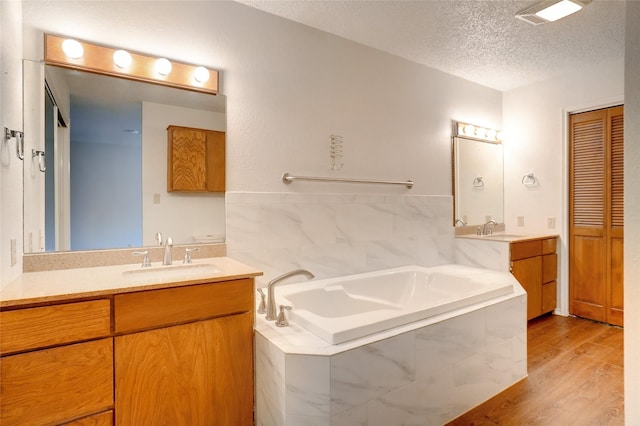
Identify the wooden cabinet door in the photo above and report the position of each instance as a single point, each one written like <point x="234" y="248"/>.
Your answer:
<point x="528" y="272"/>
<point x="196" y="160"/>
<point x="51" y="386"/>
<point x="596" y="215"/>
<point x="193" y="374"/>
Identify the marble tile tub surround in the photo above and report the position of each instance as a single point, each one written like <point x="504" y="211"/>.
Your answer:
<point x="338" y="234"/>
<point x="426" y="376"/>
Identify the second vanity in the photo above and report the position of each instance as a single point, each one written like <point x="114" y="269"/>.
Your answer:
<point x="119" y="345"/>
<point x="532" y="259"/>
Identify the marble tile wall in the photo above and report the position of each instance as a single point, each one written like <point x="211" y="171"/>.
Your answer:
<point x="423" y="377"/>
<point x="338" y="234"/>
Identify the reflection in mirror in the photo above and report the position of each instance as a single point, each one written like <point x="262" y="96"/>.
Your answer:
<point x="105" y="184"/>
<point x="478" y="181"/>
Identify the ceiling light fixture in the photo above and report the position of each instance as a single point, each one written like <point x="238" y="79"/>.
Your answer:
<point x="550" y="10"/>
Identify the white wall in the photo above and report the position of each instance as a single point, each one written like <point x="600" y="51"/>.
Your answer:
<point x="290" y="87"/>
<point x="11" y="117"/>
<point x="631" y="215"/>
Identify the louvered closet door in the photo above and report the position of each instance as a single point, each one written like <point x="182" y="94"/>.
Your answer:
<point x="596" y="221"/>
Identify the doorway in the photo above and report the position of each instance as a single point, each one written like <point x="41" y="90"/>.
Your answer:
<point x="596" y="221"/>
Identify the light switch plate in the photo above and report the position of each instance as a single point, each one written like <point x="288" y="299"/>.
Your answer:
<point x="520" y="220"/>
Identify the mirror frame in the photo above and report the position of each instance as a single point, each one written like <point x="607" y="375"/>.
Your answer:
<point x="460" y="130"/>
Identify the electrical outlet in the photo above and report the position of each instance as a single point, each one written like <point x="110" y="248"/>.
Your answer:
<point x="156" y="198"/>
<point x="520" y="221"/>
<point x="551" y="223"/>
<point x="14" y="253"/>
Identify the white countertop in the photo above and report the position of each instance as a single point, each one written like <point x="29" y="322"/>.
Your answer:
<point x="50" y="286"/>
<point x="508" y="237"/>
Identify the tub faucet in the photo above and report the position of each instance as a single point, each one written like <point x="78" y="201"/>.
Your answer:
<point x="167" y="251"/>
<point x="486" y="229"/>
<point x="271" y="301"/>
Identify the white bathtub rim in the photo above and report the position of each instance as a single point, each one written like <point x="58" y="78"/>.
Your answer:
<point x="336" y="330"/>
<point x="295" y="339"/>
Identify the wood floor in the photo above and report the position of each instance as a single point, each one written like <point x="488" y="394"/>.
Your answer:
<point x="575" y="378"/>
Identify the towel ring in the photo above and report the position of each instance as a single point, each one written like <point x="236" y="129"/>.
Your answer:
<point x="478" y="182"/>
<point x="529" y="179"/>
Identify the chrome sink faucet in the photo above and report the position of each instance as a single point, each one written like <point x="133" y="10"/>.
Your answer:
<point x="167" y="251"/>
<point x="271" y="301"/>
<point x="486" y="229"/>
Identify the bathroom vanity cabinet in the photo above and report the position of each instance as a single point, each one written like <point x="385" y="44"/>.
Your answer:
<point x="196" y="160"/>
<point x="56" y="364"/>
<point x="191" y="346"/>
<point x="176" y="355"/>
<point x="534" y="263"/>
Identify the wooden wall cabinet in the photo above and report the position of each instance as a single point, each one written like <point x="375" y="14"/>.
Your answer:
<point x="196" y="160"/>
<point x="534" y="263"/>
<point x="175" y="356"/>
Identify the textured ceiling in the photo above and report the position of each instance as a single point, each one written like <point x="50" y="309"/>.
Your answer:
<point x="481" y="41"/>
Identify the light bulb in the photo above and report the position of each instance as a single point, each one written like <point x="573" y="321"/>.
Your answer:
<point x="72" y="48"/>
<point x="491" y="134"/>
<point x="481" y="132"/>
<point x="163" y="66"/>
<point x="469" y="130"/>
<point x="122" y="58"/>
<point x="201" y="74"/>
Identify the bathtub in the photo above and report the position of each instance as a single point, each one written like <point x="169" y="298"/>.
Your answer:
<point x="344" y="308"/>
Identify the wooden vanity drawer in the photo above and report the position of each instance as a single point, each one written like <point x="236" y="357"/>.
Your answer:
<point x="526" y="249"/>
<point x="549" y="246"/>
<point x="157" y="308"/>
<point x="549" y="267"/>
<point x="33" y="328"/>
<point x="51" y="386"/>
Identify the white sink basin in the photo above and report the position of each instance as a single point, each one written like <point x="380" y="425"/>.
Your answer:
<point x="169" y="273"/>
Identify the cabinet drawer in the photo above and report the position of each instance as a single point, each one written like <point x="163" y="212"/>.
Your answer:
<point x="549" y="246"/>
<point x="548" y="297"/>
<point x="32" y="328"/>
<point x="156" y="308"/>
<point x="51" y="386"/>
<point x="100" y="419"/>
<point x="549" y="267"/>
<point x="525" y="249"/>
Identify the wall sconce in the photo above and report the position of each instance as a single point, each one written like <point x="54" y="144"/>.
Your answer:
<point x="82" y="55"/>
<point x="479" y="133"/>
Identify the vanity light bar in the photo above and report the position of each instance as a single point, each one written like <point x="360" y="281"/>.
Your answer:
<point x="479" y="133"/>
<point x="126" y="64"/>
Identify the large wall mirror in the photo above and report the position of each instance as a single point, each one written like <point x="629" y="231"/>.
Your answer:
<point x="102" y="180"/>
<point x="478" y="180"/>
